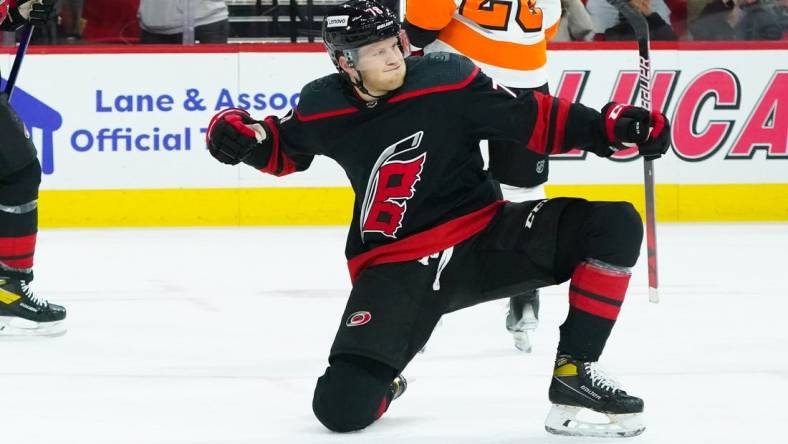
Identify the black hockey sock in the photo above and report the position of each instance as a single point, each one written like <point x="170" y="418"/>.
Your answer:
<point x="583" y="336"/>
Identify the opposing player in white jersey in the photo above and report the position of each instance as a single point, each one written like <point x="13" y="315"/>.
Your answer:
<point x="507" y="39"/>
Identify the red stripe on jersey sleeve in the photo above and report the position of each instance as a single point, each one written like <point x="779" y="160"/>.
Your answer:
<point x="538" y="140"/>
<point x="560" y="125"/>
<point x="278" y="164"/>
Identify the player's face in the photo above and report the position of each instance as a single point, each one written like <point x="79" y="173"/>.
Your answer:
<point x="382" y="65"/>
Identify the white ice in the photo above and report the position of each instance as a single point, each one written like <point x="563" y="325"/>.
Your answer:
<point x="208" y="336"/>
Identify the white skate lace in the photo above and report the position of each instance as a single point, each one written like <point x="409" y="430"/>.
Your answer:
<point x="599" y="377"/>
<point x="32" y="296"/>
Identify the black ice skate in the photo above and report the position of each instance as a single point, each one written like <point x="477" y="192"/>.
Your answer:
<point x="584" y="385"/>
<point x="22" y="313"/>
<point x="523" y="318"/>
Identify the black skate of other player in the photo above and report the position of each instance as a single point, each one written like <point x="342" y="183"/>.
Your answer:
<point x="429" y="234"/>
<point x="21" y="311"/>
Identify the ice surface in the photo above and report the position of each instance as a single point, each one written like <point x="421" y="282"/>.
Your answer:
<point x="208" y="336"/>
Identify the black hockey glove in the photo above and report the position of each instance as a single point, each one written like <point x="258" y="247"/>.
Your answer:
<point x="230" y="140"/>
<point x="37" y="12"/>
<point x="627" y="125"/>
<point x="41" y="12"/>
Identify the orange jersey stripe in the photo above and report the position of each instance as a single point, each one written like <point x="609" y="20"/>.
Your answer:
<point x="508" y="55"/>
<point x="432" y="14"/>
<point x="550" y="32"/>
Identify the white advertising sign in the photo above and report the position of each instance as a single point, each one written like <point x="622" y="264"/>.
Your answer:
<point x="137" y="121"/>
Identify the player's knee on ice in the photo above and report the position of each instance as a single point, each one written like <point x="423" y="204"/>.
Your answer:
<point x="21" y="186"/>
<point x="349" y="394"/>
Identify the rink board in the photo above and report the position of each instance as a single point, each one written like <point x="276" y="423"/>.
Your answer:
<point x="121" y="133"/>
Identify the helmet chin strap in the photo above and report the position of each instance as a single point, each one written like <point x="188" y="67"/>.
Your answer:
<point x="360" y="85"/>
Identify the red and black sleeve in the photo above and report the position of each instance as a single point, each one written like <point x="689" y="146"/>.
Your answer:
<point x="542" y="123"/>
<point x="283" y="153"/>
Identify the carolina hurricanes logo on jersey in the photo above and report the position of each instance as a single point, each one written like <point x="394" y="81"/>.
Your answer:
<point x="358" y="318"/>
<point x="391" y="185"/>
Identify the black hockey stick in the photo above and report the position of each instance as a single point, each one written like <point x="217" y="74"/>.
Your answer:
<point x="640" y="26"/>
<point x="27" y="34"/>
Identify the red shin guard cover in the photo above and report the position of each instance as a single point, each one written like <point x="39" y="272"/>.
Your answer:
<point x="597" y="290"/>
<point x="17" y="252"/>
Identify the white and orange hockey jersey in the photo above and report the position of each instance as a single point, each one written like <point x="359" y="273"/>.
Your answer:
<point x="506" y="38"/>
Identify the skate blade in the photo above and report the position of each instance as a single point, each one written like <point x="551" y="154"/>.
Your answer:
<point x="522" y="341"/>
<point x="528" y="321"/>
<point x="17" y="327"/>
<point x="521" y="331"/>
<point x="562" y="420"/>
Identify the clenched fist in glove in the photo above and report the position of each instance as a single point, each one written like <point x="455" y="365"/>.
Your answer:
<point x="233" y="135"/>
<point x="37" y="12"/>
<point x="627" y="125"/>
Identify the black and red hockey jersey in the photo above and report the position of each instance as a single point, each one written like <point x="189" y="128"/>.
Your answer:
<point x="413" y="157"/>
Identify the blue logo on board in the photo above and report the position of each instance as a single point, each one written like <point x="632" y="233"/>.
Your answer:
<point x="38" y="115"/>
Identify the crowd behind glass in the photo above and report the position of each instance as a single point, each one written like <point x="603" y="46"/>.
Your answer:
<point x="238" y="21"/>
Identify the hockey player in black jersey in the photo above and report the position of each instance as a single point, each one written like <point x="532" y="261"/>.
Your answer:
<point x="22" y="312"/>
<point x="429" y="234"/>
